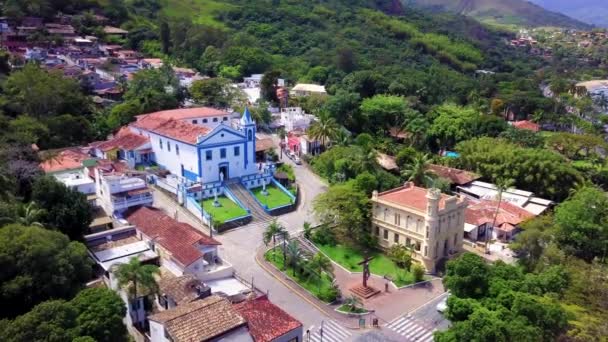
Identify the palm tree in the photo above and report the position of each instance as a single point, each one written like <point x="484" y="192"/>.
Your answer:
<point x="294" y="255"/>
<point x="341" y="137"/>
<point x="320" y="263"/>
<point x="27" y="215"/>
<point x="323" y="129"/>
<point x="352" y="302"/>
<point x="418" y="171"/>
<point x="502" y="185"/>
<point x="137" y="278"/>
<point x="273" y="230"/>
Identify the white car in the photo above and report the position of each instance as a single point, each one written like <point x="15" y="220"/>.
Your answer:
<point x="443" y="304"/>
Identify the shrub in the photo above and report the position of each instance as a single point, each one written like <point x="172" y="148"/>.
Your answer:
<point x="324" y="236"/>
<point x="418" y="272"/>
<point x="329" y="294"/>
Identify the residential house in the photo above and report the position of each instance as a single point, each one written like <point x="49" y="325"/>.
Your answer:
<point x="134" y="149"/>
<point x="526" y="124"/>
<point x="480" y="216"/>
<point x="294" y="118"/>
<point x="255" y="80"/>
<point x="182" y="248"/>
<point x="210" y="319"/>
<point x="119" y="191"/>
<point x="304" y="89"/>
<point x="429" y="222"/>
<point x="300" y="143"/>
<point x="69" y="167"/>
<point x="387" y="162"/>
<point x="115" y="31"/>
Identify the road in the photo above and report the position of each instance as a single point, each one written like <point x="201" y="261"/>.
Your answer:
<point x="239" y="245"/>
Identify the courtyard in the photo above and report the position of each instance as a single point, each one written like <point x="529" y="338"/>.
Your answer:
<point x="228" y="209"/>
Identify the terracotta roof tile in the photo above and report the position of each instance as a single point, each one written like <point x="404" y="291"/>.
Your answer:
<point x="65" y="160"/>
<point x="181" y="289"/>
<point x="265" y="320"/>
<point x="455" y="176"/>
<point x="410" y="196"/>
<point x="200" y="320"/>
<point x="188" y="113"/>
<point x="525" y="124"/>
<point x="170" y="123"/>
<point x="180" y="239"/>
<point x="124" y="139"/>
<point x="182" y="131"/>
<point x="483" y="211"/>
<point x="264" y="144"/>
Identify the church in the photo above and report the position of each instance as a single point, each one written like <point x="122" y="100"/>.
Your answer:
<point x="200" y="145"/>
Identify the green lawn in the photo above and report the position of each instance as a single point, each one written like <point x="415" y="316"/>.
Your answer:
<point x="227" y="211"/>
<point x="380" y="265"/>
<point x="320" y="288"/>
<point x="276" y="197"/>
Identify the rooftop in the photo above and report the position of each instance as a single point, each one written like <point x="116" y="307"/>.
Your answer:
<point x="266" y="321"/>
<point x="125" y="140"/>
<point x="201" y="320"/>
<point x="480" y="212"/>
<point x="114" y="30"/>
<point x="455" y="176"/>
<point x="180" y="239"/>
<point x="181" y="289"/>
<point x="170" y="123"/>
<point x="69" y="159"/>
<point x="387" y="162"/>
<point x="526" y="124"/>
<point x="410" y="196"/>
<point x="521" y="198"/>
<point x="313" y="88"/>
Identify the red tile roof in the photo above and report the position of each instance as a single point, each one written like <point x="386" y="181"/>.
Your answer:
<point x="266" y="321"/>
<point x="65" y="160"/>
<point x="188" y="113"/>
<point x="182" y="131"/>
<point x="525" y="124"/>
<point x="455" y="176"/>
<point x="180" y="239"/>
<point x="169" y="123"/>
<point x="410" y="196"/>
<point x="483" y="211"/>
<point x="124" y="139"/>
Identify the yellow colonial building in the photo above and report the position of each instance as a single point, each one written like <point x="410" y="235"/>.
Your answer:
<point x="429" y="222"/>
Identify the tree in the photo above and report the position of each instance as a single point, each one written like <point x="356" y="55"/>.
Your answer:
<point x="453" y="124"/>
<point x="55" y="94"/>
<point x="137" y="278"/>
<point x="353" y="303"/>
<point x="401" y="256"/>
<point x="38" y="264"/>
<point x="67" y="210"/>
<point x="100" y="315"/>
<point x="418" y="171"/>
<point x="273" y="230"/>
<point x="582" y="223"/>
<point x="348" y="211"/>
<point x="383" y="112"/>
<point x="323" y="129"/>
<point x="216" y="92"/>
<point x="27" y="215"/>
<point x="320" y="263"/>
<point x="502" y="185"/>
<point x="467" y="276"/>
<point x="530" y="244"/>
<point x="155" y="89"/>
<point x="269" y="85"/>
<point x="52" y="321"/>
<point x="294" y="255"/>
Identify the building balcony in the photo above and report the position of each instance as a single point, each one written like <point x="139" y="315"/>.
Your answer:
<point x="120" y="203"/>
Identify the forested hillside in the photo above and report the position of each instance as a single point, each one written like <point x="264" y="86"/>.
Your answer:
<point x="509" y="12"/>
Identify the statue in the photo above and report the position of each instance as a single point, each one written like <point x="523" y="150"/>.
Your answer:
<point x="264" y="191"/>
<point x="366" y="273"/>
<point x="216" y="203"/>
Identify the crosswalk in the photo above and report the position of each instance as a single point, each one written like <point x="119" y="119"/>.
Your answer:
<point x="411" y="329"/>
<point x="332" y="332"/>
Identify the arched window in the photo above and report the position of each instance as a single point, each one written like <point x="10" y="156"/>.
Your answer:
<point x="250" y="136"/>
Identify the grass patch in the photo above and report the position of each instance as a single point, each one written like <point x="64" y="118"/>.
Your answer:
<point x="227" y="210"/>
<point x="319" y="287"/>
<point x="381" y="265"/>
<point x="201" y="11"/>
<point x="276" y="197"/>
<point x="349" y="309"/>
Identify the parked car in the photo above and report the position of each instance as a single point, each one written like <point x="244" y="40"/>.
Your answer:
<point x="297" y="160"/>
<point x="443" y="304"/>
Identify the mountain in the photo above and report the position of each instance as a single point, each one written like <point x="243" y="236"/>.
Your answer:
<point x="509" y="12"/>
<point x="590" y="11"/>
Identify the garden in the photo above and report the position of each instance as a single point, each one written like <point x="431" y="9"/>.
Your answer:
<point x="396" y="263"/>
<point x="226" y="211"/>
<point x="274" y="198"/>
<point x="307" y="273"/>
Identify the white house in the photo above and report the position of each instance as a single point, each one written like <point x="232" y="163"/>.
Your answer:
<point x="294" y="118"/>
<point x="119" y="191"/>
<point x="254" y="81"/>
<point x="305" y="89"/>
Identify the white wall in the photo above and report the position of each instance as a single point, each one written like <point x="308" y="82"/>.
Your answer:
<point x="157" y="332"/>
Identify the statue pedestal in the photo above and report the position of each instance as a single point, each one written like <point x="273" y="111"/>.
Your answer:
<point x="216" y="204"/>
<point x="364" y="292"/>
<point x="265" y="192"/>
